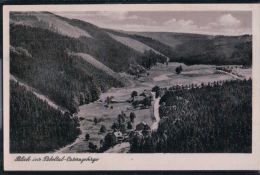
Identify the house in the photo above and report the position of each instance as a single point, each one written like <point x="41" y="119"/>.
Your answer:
<point x="119" y="136"/>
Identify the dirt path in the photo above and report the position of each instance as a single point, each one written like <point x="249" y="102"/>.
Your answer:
<point x="156" y="112"/>
<point x="233" y="75"/>
<point x="119" y="148"/>
<point x="68" y="148"/>
<point x="40" y="96"/>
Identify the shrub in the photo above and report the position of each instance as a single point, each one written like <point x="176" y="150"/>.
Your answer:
<point x="102" y="129"/>
<point x="178" y="69"/>
<point x="92" y="146"/>
<point x="132" y="117"/>
<point x="87" y="137"/>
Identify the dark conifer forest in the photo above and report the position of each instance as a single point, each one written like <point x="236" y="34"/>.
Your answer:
<point x="69" y="81"/>
<point x="35" y="127"/>
<point x="213" y="119"/>
<point x="199" y="49"/>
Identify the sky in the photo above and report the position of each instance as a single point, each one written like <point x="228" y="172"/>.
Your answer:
<point x="202" y="22"/>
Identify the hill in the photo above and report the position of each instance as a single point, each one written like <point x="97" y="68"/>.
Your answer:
<point x="42" y="45"/>
<point x="68" y="60"/>
<point x="197" y="48"/>
<point x="51" y="129"/>
<point x="48" y="21"/>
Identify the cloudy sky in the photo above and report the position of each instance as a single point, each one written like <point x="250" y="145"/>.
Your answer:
<point x="216" y="23"/>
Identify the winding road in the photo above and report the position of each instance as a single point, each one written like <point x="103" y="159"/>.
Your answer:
<point x="155" y="112"/>
<point x="232" y="75"/>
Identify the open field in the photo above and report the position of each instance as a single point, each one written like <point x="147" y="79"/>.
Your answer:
<point x="161" y="75"/>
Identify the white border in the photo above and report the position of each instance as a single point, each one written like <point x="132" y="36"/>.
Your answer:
<point x="158" y="161"/>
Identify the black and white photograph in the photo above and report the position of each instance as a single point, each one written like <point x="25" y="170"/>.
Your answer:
<point x="127" y="82"/>
<point x="130" y="82"/>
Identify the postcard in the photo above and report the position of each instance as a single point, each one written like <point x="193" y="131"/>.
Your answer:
<point x="131" y="87"/>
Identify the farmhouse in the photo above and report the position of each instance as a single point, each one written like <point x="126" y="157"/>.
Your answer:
<point x="119" y="136"/>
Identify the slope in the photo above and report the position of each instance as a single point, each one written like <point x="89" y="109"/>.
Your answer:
<point x="39" y="95"/>
<point x="48" y="21"/>
<point x="200" y="49"/>
<point x="51" y="129"/>
<point x="134" y="44"/>
<point x="67" y="81"/>
<point x="88" y="58"/>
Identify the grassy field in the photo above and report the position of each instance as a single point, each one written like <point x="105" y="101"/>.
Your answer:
<point x="161" y="75"/>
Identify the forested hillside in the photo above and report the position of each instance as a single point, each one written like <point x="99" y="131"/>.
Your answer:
<point x="40" y="57"/>
<point x="210" y="119"/>
<point x="67" y="80"/>
<point x="197" y="49"/>
<point x="35" y="127"/>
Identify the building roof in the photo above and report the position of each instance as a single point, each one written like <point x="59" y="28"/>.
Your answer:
<point x="118" y="134"/>
<point x="142" y="123"/>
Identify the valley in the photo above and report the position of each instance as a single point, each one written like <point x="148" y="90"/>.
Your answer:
<point x="196" y="74"/>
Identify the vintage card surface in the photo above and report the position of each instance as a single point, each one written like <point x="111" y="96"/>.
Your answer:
<point x="131" y="87"/>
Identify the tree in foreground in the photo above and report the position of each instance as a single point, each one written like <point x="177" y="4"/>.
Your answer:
<point x="92" y="146"/>
<point x="155" y="88"/>
<point x="95" y="121"/>
<point x="132" y="117"/>
<point x="109" y="141"/>
<point x="129" y="125"/>
<point x="178" y="69"/>
<point x="87" y="137"/>
<point x="134" y="94"/>
<point x="102" y="129"/>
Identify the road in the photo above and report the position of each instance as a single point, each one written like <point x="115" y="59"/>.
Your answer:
<point x="233" y="75"/>
<point x="123" y="147"/>
<point x="156" y="112"/>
